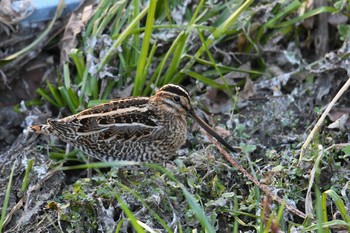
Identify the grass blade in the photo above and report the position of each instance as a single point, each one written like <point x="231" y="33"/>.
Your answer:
<point x="66" y="75"/>
<point x="56" y="95"/>
<point x="180" y="47"/>
<point x="153" y="213"/>
<point x="106" y="19"/>
<point x="198" y="211"/>
<point x="306" y="15"/>
<point x="140" y="71"/>
<point x="78" y="59"/>
<point x="285" y="11"/>
<point x="156" y="75"/>
<point x="98" y="165"/>
<point x="339" y="203"/>
<point x="336" y="223"/>
<point x="104" y="4"/>
<point x="6" y="199"/>
<point x="43" y="93"/>
<point x="127" y="31"/>
<point x="205" y="80"/>
<point x="129" y="214"/>
<point x="25" y="183"/>
<point x="68" y="98"/>
<point x="136" y="36"/>
<point x="217" y="33"/>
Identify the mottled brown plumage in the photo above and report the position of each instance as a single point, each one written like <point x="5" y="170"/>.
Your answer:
<point x="148" y="129"/>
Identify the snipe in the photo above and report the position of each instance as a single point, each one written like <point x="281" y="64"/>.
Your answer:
<point x="148" y="129"/>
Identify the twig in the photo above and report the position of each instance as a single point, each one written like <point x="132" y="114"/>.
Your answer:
<point x="263" y="187"/>
<point x="323" y="116"/>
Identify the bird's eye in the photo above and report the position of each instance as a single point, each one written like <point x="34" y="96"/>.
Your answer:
<point x="176" y="98"/>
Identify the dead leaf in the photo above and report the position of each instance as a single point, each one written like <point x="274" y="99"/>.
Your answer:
<point x="336" y="19"/>
<point x="337" y="113"/>
<point x="340" y="119"/>
<point x="11" y="14"/>
<point x="231" y="78"/>
<point x="248" y="90"/>
<point x="279" y="80"/>
<point x="339" y="123"/>
<point x="217" y="101"/>
<point x="224" y="133"/>
<point x="127" y="91"/>
<point x="74" y="26"/>
<point x="87" y="13"/>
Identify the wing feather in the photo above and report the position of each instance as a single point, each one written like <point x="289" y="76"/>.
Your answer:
<point x="113" y="121"/>
<point x="131" y="126"/>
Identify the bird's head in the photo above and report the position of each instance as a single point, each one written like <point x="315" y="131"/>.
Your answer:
<point x="174" y="98"/>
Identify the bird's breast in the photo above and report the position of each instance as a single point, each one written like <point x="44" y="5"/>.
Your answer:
<point x="173" y="132"/>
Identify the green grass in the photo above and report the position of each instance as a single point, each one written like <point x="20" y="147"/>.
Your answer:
<point x="6" y="199"/>
<point x="135" y="58"/>
<point x="26" y="181"/>
<point x="203" y="194"/>
<point x="130" y="57"/>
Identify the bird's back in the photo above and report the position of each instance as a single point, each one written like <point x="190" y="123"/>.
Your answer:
<point x="126" y="129"/>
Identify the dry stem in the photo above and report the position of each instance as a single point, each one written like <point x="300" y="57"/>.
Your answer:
<point x="263" y="187"/>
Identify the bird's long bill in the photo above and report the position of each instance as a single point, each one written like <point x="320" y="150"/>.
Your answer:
<point x="207" y="128"/>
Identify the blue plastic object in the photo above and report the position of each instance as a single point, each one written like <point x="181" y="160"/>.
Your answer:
<point x="44" y="10"/>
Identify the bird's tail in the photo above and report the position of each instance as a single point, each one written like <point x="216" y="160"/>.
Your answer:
<point x="40" y="129"/>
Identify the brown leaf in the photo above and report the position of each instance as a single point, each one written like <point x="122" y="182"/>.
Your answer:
<point x="74" y="26"/>
<point x="340" y="123"/>
<point x="9" y="14"/>
<point x="248" y="91"/>
<point x="224" y="133"/>
<point x="217" y="101"/>
<point x="335" y="113"/>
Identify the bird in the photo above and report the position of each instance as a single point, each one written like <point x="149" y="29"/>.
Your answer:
<point x="140" y="129"/>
